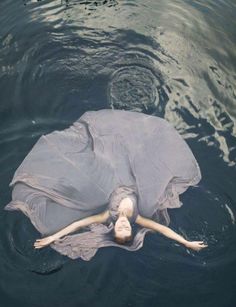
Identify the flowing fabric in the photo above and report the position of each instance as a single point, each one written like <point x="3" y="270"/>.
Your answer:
<point x="72" y="174"/>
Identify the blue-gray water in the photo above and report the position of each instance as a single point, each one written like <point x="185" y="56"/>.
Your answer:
<point x="174" y="59"/>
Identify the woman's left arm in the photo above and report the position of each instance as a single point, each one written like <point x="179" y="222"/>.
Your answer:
<point x="166" y="231"/>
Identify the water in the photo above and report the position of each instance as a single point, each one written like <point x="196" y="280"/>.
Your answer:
<point x="174" y="59"/>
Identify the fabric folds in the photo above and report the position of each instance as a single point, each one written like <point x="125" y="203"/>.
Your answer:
<point x="71" y="174"/>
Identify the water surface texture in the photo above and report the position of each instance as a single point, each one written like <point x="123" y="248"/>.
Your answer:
<point x="174" y="59"/>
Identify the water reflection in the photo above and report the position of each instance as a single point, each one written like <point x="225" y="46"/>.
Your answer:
<point x="174" y="59"/>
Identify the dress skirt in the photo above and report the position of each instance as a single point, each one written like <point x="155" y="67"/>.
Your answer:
<point x="70" y="174"/>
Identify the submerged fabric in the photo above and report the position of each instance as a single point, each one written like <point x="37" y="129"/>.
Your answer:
<point x="75" y="173"/>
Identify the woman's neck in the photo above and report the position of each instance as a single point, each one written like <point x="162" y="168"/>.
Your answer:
<point x="126" y="207"/>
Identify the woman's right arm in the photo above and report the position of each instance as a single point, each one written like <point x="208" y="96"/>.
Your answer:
<point x="98" y="218"/>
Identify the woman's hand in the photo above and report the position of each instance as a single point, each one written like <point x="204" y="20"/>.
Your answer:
<point x="39" y="243"/>
<point x="196" y="245"/>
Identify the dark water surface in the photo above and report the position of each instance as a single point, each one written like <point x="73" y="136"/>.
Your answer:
<point x="174" y="59"/>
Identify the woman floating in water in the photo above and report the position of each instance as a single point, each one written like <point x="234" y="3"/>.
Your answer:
<point x="109" y="170"/>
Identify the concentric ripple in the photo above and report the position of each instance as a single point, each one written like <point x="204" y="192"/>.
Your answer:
<point x="174" y="59"/>
<point x="134" y="87"/>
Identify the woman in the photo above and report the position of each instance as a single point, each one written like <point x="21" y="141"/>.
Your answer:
<point x="125" y="212"/>
<point x="88" y="175"/>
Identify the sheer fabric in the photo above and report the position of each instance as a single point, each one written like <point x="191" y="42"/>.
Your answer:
<point x="74" y="173"/>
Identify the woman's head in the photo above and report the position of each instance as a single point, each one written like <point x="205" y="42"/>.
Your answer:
<point x="122" y="230"/>
<point x="123" y="209"/>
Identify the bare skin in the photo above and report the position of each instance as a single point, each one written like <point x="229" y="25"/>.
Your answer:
<point x="122" y="227"/>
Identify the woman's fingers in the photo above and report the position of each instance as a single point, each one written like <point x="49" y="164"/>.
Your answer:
<point x="197" y="245"/>
<point x="201" y="246"/>
<point x="38" y="246"/>
<point x="40" y="243"/>
<point x="201" y="243"/>
<point x="37" y="243"/>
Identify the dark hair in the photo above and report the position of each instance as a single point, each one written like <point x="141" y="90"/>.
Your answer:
<point x="122" y="240"/>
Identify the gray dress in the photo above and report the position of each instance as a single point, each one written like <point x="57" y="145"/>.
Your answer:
<point x="72" y="174"/>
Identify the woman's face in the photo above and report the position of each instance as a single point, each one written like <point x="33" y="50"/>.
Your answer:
<point x="123" y="228"/>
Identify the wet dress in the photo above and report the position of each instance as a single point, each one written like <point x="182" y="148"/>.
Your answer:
<point x="71" y="174"/>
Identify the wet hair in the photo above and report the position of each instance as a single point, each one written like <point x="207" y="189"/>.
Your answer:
<point x="122" y="240"/>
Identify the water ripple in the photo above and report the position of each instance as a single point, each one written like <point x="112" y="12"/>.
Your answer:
<point x="174" y="59"/>
<point x="133" y="87"/>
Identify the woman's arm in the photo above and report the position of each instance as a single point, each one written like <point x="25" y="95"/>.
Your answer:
<point x="98" y="218"/>
<point x="166" y="231"/>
